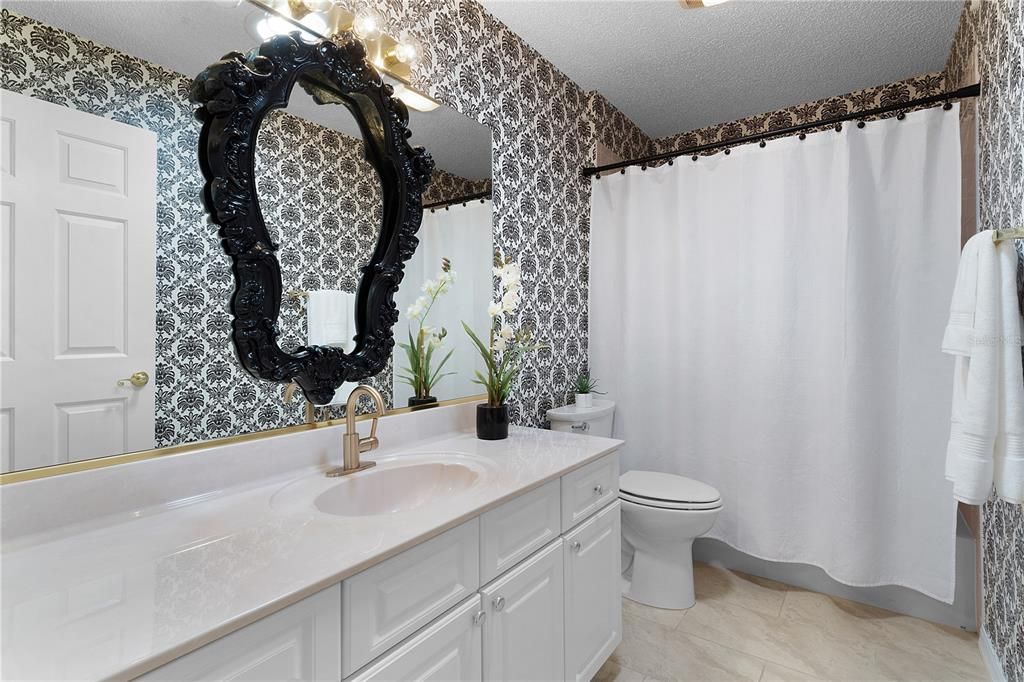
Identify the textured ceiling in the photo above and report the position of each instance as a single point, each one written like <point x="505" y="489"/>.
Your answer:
<point x="188" y="35"/>
<point x="672" y="70"/>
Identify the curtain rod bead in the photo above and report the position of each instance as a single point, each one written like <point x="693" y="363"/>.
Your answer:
<point x="860" y="124"/>
<point x="694" y="157"/>
<point x="803" y="136"/>
<point x="762" y="144"/>
<point x="727" y="150"/>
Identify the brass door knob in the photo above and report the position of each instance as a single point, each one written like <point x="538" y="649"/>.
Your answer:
<point x="138" y="380"/>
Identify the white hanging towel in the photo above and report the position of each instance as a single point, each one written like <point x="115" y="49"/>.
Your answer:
<point x="986" y="441"/>
<point x="329" y="318"/>
<point x="330" y="321"/>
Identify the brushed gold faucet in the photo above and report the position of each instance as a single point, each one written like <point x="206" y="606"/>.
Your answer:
<point x="353" y="445"/>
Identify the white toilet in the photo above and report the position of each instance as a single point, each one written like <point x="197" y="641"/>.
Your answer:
<point x="662" y="514"/>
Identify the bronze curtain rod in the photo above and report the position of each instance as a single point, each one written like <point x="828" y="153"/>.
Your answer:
<point x="482" y="196"/>
<point x="945" y="98"/>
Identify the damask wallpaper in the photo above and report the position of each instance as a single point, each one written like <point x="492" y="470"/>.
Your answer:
<point x="991" y="39"/>
<point x="445" y="186"/>
<point x="861" y="100"/>
<point x="544" y="130"/>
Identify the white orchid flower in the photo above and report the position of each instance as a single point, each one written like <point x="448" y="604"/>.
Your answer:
<point x="499" y="345"/>
<point x="493" y="309"/>
<point x="507" y="332"/>
<point x="510" y="301"/>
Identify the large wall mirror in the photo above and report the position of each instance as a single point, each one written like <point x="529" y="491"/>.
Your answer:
<point x="114" y="289"/>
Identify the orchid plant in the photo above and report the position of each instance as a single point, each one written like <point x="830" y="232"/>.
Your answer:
<point x="420" y="374"/>
<point x="503" y="353"/>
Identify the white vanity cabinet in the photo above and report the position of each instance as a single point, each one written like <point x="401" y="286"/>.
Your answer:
<point x="527" y="590"/>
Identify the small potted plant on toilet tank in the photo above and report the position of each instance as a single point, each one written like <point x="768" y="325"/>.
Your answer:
<point x="586" y="388"/>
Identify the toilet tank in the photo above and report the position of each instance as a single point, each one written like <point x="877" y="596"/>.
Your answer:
<point x="592" y="421"/>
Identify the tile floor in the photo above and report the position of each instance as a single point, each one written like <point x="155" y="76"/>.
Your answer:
<point x="748" y="628"/>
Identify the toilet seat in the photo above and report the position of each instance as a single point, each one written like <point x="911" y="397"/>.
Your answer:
<point x="667" y="491"/>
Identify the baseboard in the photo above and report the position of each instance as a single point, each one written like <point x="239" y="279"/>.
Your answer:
<point x="988" y="655"/>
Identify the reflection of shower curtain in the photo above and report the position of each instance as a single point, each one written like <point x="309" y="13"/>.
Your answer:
<point x="769" y="323"/>
<point x="463" y="235"/>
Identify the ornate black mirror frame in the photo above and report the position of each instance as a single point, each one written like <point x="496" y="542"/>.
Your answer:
<point x="235" y="95"/>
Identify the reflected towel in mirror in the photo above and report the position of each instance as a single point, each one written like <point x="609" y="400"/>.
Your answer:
<point x="329" y="319"/>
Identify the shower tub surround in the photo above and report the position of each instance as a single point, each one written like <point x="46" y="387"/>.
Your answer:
<point x="175" y="552"/>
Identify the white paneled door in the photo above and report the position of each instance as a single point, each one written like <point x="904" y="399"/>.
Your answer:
<point x="77" y="267"/>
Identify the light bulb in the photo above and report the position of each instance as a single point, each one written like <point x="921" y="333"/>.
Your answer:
<point x="405" y="52"/>
<point x="272" y="25"/>
<point x="366" y="25"/>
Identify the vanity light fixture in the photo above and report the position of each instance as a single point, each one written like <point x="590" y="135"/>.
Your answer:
<point x="394" y="58"/>
<point x="284" y="17"/>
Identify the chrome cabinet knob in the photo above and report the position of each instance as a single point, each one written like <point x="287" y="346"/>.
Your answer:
<point x="599" y="489"/>
<point x="479" y="617"/>
<point x="576" y="546"/>
<point x="138" y="380"/>
<point x="498" y="603"/>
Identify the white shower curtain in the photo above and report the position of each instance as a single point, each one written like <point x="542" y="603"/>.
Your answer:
<point x="463" y="235"/>
<point x="769" y="323"/>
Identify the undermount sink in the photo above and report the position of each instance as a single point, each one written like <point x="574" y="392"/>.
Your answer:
<point x="397" y="487"/>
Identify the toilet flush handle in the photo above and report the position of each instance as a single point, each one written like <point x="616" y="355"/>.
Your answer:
<point x="599" y="489"/>
<point x="582" y="426"/>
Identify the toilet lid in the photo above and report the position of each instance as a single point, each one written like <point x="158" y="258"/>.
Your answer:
<point x="659" y="489"/>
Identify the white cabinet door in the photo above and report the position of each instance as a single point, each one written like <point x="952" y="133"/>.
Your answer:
<point x="523" y="629"/>
<point x="299" y="642"/>
<point x="593" y="600"/>
<point x="449" y="649"/>
<point x="77" y="269"/>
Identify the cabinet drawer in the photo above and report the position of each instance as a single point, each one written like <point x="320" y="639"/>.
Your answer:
<point x="589" y="488"/>
<point x="299" y="642"/>
<point x="385" y="604"/>
<point x="450" y="649"/>
<point x="518" y="528"/>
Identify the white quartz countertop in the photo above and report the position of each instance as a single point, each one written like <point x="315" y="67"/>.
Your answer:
<point x="121" y="596"/>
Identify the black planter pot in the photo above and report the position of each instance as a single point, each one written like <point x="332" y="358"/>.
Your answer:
<point x="420" y="402"/>
<point x="491" y="422"/>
